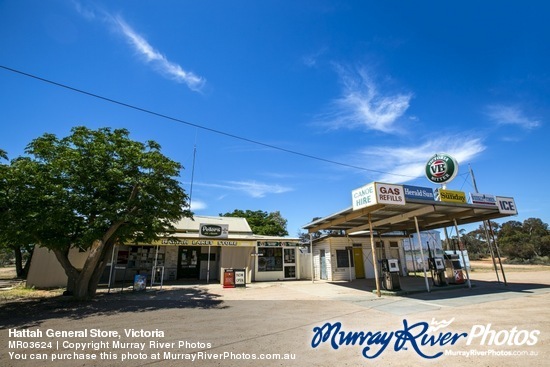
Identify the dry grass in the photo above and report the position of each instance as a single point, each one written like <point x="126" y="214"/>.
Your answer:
<point x="15" y="289"/>
<point x="7" y="272"/>
<point x="19" y="292"/>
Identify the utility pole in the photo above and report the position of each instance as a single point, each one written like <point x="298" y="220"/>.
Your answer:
<point x="488" y="235"/>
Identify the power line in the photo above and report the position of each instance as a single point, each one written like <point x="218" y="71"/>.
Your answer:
<point x="157" y="114"/>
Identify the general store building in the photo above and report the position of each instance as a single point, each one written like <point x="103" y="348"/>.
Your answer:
<point x="188" y="254"/>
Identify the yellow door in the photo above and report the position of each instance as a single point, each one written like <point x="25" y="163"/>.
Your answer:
<point x="358" y="262"/>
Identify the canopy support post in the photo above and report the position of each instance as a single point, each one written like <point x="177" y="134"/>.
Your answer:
<point x="374" y="262"/>
<point x="422" y="255"/>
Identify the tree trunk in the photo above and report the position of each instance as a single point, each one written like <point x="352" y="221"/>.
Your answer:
<point x="18" y="261"/>
<point x="100" y="268"/>
<point x="28" y="263"/>
<point x="72" y="273"/>
<point x="83" y="283"/>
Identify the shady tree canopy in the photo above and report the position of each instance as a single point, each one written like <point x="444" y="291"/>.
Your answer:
<point x="91" y="190"/>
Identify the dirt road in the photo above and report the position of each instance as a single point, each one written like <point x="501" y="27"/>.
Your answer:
<point x="288" y="324"/>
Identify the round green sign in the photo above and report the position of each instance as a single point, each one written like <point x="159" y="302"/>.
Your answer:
<point x="441" y="168"/>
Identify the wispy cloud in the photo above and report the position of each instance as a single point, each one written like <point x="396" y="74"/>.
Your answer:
<point x="84" y="10"/>
<point x="156" y="59"/>
<point x="408" y="163"/>
<point x="143" y="48"/>
<point x="251" y="188"/>
<point x="310" y="60"/>
<point x="362" y="104"/>
<point x="511" y="115"/>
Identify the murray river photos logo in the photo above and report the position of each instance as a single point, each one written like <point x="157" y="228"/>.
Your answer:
<point x="427" y="340"/>
<point x="441" y="168"/>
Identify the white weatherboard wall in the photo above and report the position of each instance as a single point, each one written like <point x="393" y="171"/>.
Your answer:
<point x="340" y="243"/>
<point x="332" y="244"/>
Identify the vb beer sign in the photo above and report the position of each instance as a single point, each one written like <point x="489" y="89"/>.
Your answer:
<point x="441" y="168"/>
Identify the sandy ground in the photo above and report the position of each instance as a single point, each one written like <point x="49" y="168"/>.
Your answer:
<point x="505" y="325"/>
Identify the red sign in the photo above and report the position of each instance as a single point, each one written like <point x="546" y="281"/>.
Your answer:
<point x="229" y="278"/>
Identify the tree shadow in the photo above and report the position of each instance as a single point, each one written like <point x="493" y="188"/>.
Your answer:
<point x="415" y="287"/>
<point x="31" y="313"/>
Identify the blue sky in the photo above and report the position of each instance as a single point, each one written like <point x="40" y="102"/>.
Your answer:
<point x="337" y="93"/>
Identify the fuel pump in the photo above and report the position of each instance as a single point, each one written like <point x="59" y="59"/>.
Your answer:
<point x="437" y="268"/>
<point x="454" y="269"/>
<point x="390" y="274"/>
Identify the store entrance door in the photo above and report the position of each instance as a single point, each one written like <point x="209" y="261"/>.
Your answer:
<point x="188" y="262"/>
<point x="358" y="261"/>
<point x="323" y="264"/>
<point x="289" y="261"/>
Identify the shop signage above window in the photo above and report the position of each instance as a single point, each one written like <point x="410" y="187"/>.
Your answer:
<point x="178" y="241"/>
<point x="450" y="196"/>
<point x="441" y="168"/>
<point x="506" y="205"/>
<point x="417" y="192"/>
<point x="483" y="199"/>
<point x="214" y="230"/>
<point x="377" y="193"/>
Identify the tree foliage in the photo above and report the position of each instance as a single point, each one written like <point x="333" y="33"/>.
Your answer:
<point x="525" y="240"/>
<point x="15" y="200"/>
<point x="261" y="222"/>
<point x="90" y="190"/>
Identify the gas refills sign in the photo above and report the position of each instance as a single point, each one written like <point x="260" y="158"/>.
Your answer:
<point x="377" y="193"/>
<point x="441" y="168"/>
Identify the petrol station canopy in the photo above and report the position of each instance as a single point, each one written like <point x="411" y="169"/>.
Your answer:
<point x="430" y="214"/>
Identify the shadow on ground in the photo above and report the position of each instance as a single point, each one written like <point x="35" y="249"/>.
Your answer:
<point x="31" y="313"/>
<point x="415" y="287"/>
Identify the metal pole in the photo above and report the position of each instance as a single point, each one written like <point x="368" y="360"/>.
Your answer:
<point x="154" y="270"/>
<point x="491" y="249"/>
<point x="461" y="248"/>
<point x="208" y="267"/>
<point x="498" y="252"/>
<point x="413" y="256"/>
<point x="485" y="227"/>
<point x="375" y="263"/>
<point x="422" y="254"/>
<point x="311" y="250"/>
<point x="349" y="264"/>
<point x="112" y="268"/>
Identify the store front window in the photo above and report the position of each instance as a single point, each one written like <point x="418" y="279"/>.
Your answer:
<point x="343" y="259"/>
<point x="270" y="259"/>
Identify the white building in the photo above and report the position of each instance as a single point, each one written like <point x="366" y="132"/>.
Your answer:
<point x="186" y="254"/>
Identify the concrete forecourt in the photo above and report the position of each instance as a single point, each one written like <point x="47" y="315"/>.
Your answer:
<point x="291" y="323"/>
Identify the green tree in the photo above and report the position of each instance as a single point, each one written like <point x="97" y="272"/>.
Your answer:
<point x="525" y="240"/>
<point x="91" y="190"/>
<point x="14" y="199"/>
<point x="261" y="222"/>
<point x="476" y="240"/>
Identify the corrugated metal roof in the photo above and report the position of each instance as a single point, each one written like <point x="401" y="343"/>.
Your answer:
<point x="388" y="218"/>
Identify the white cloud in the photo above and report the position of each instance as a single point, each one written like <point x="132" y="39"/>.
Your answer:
<point x="83" y="10"/>
<point x="310" y="60"/>
<point x="406" y="163"/>
<point x="511" y="115"/>
<point x="363" y="105"/>
<point x="251" y="188"/>
<point x="198" y="205"/>
<point x="158" y="60"/>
